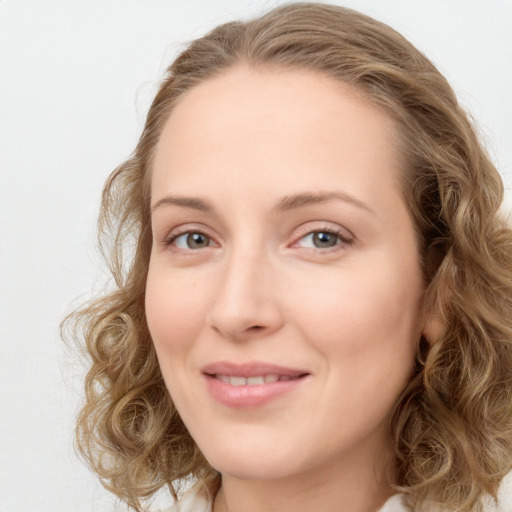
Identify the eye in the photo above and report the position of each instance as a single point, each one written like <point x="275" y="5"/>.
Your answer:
<point x="320" y="240"/>
<point x="323" y="239"/>
<point x="190" y="240"/>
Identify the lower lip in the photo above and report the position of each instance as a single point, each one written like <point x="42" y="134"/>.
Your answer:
<point x="248" y="397"/>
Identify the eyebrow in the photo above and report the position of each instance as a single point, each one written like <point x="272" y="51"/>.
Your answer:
<point x="195" y="203"/>
<point x="286" y="203"/>
<point x="306" y="199"/>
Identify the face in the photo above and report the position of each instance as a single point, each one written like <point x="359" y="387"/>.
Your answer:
<point x="284" y="288"/>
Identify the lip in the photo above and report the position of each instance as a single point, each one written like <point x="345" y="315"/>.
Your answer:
<point x="250" y="396"/>
<point x="250" y="369"/>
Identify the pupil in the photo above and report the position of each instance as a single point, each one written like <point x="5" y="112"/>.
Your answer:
<point x="197" y="240"/>
<point x="322" y="239"/>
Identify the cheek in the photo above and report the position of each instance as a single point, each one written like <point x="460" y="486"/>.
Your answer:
<point x="174" y="309"/>
<point x="365" y="316"/>
<point x="367" y="334"/>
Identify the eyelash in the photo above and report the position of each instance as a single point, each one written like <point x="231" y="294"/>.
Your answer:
<point x="342" y="240"/>
<point x="169" y="241"/>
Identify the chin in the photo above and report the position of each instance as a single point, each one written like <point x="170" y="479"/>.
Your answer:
<point x="252" y="470"/>
<point x="247" y="464"/>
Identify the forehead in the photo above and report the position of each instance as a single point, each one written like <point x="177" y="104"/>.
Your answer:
<point x="271" y="124"/>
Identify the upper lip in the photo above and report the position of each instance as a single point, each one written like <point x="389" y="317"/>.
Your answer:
<point x="250" y="369"/>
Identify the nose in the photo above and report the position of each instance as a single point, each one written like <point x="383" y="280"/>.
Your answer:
<point x="246" y="303"/>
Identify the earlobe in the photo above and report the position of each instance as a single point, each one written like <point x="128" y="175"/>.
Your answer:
<point x="434" y="329"/>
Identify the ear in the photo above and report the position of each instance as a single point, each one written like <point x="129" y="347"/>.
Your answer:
<point x="433" y="329"/>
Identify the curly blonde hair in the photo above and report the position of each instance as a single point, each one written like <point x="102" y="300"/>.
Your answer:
<point x="452" y="425"/>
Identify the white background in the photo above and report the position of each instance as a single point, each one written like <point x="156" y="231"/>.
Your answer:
<point x="76" y="78"/>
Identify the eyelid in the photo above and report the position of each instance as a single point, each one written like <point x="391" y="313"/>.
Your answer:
<point x="186" y="229"/>
<point x="316" y="227"/>
<point x="345" y="240"/>
<point x="345" y="235"/>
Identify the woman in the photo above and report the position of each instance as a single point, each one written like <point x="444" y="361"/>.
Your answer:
<point x="317" y="311"/>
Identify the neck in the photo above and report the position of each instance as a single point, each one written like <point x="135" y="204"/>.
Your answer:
<point x="358" y="487"/>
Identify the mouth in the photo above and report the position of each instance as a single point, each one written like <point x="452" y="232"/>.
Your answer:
<point x="254" y="381"/>
<point x="250" y="385"/>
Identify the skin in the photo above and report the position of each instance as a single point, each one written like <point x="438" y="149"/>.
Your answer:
<point x="260" y="286"/>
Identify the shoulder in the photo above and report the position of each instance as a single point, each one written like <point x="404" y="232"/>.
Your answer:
<point x="397" y="504"/>
<point x="194" y="500"/>
<point x="394" y="504"/>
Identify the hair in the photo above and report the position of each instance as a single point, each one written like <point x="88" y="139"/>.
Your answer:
<point x="452" y="426"/>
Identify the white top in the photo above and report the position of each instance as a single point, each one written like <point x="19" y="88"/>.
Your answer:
<point x="197" y="500"/>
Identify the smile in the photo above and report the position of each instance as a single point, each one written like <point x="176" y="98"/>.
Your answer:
<point x="253" y="381"/>
<point x="250" y="385"/>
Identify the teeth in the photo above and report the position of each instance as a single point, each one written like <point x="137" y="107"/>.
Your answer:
<point x="252" y="381"/>
<point x="237" y="381"/>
